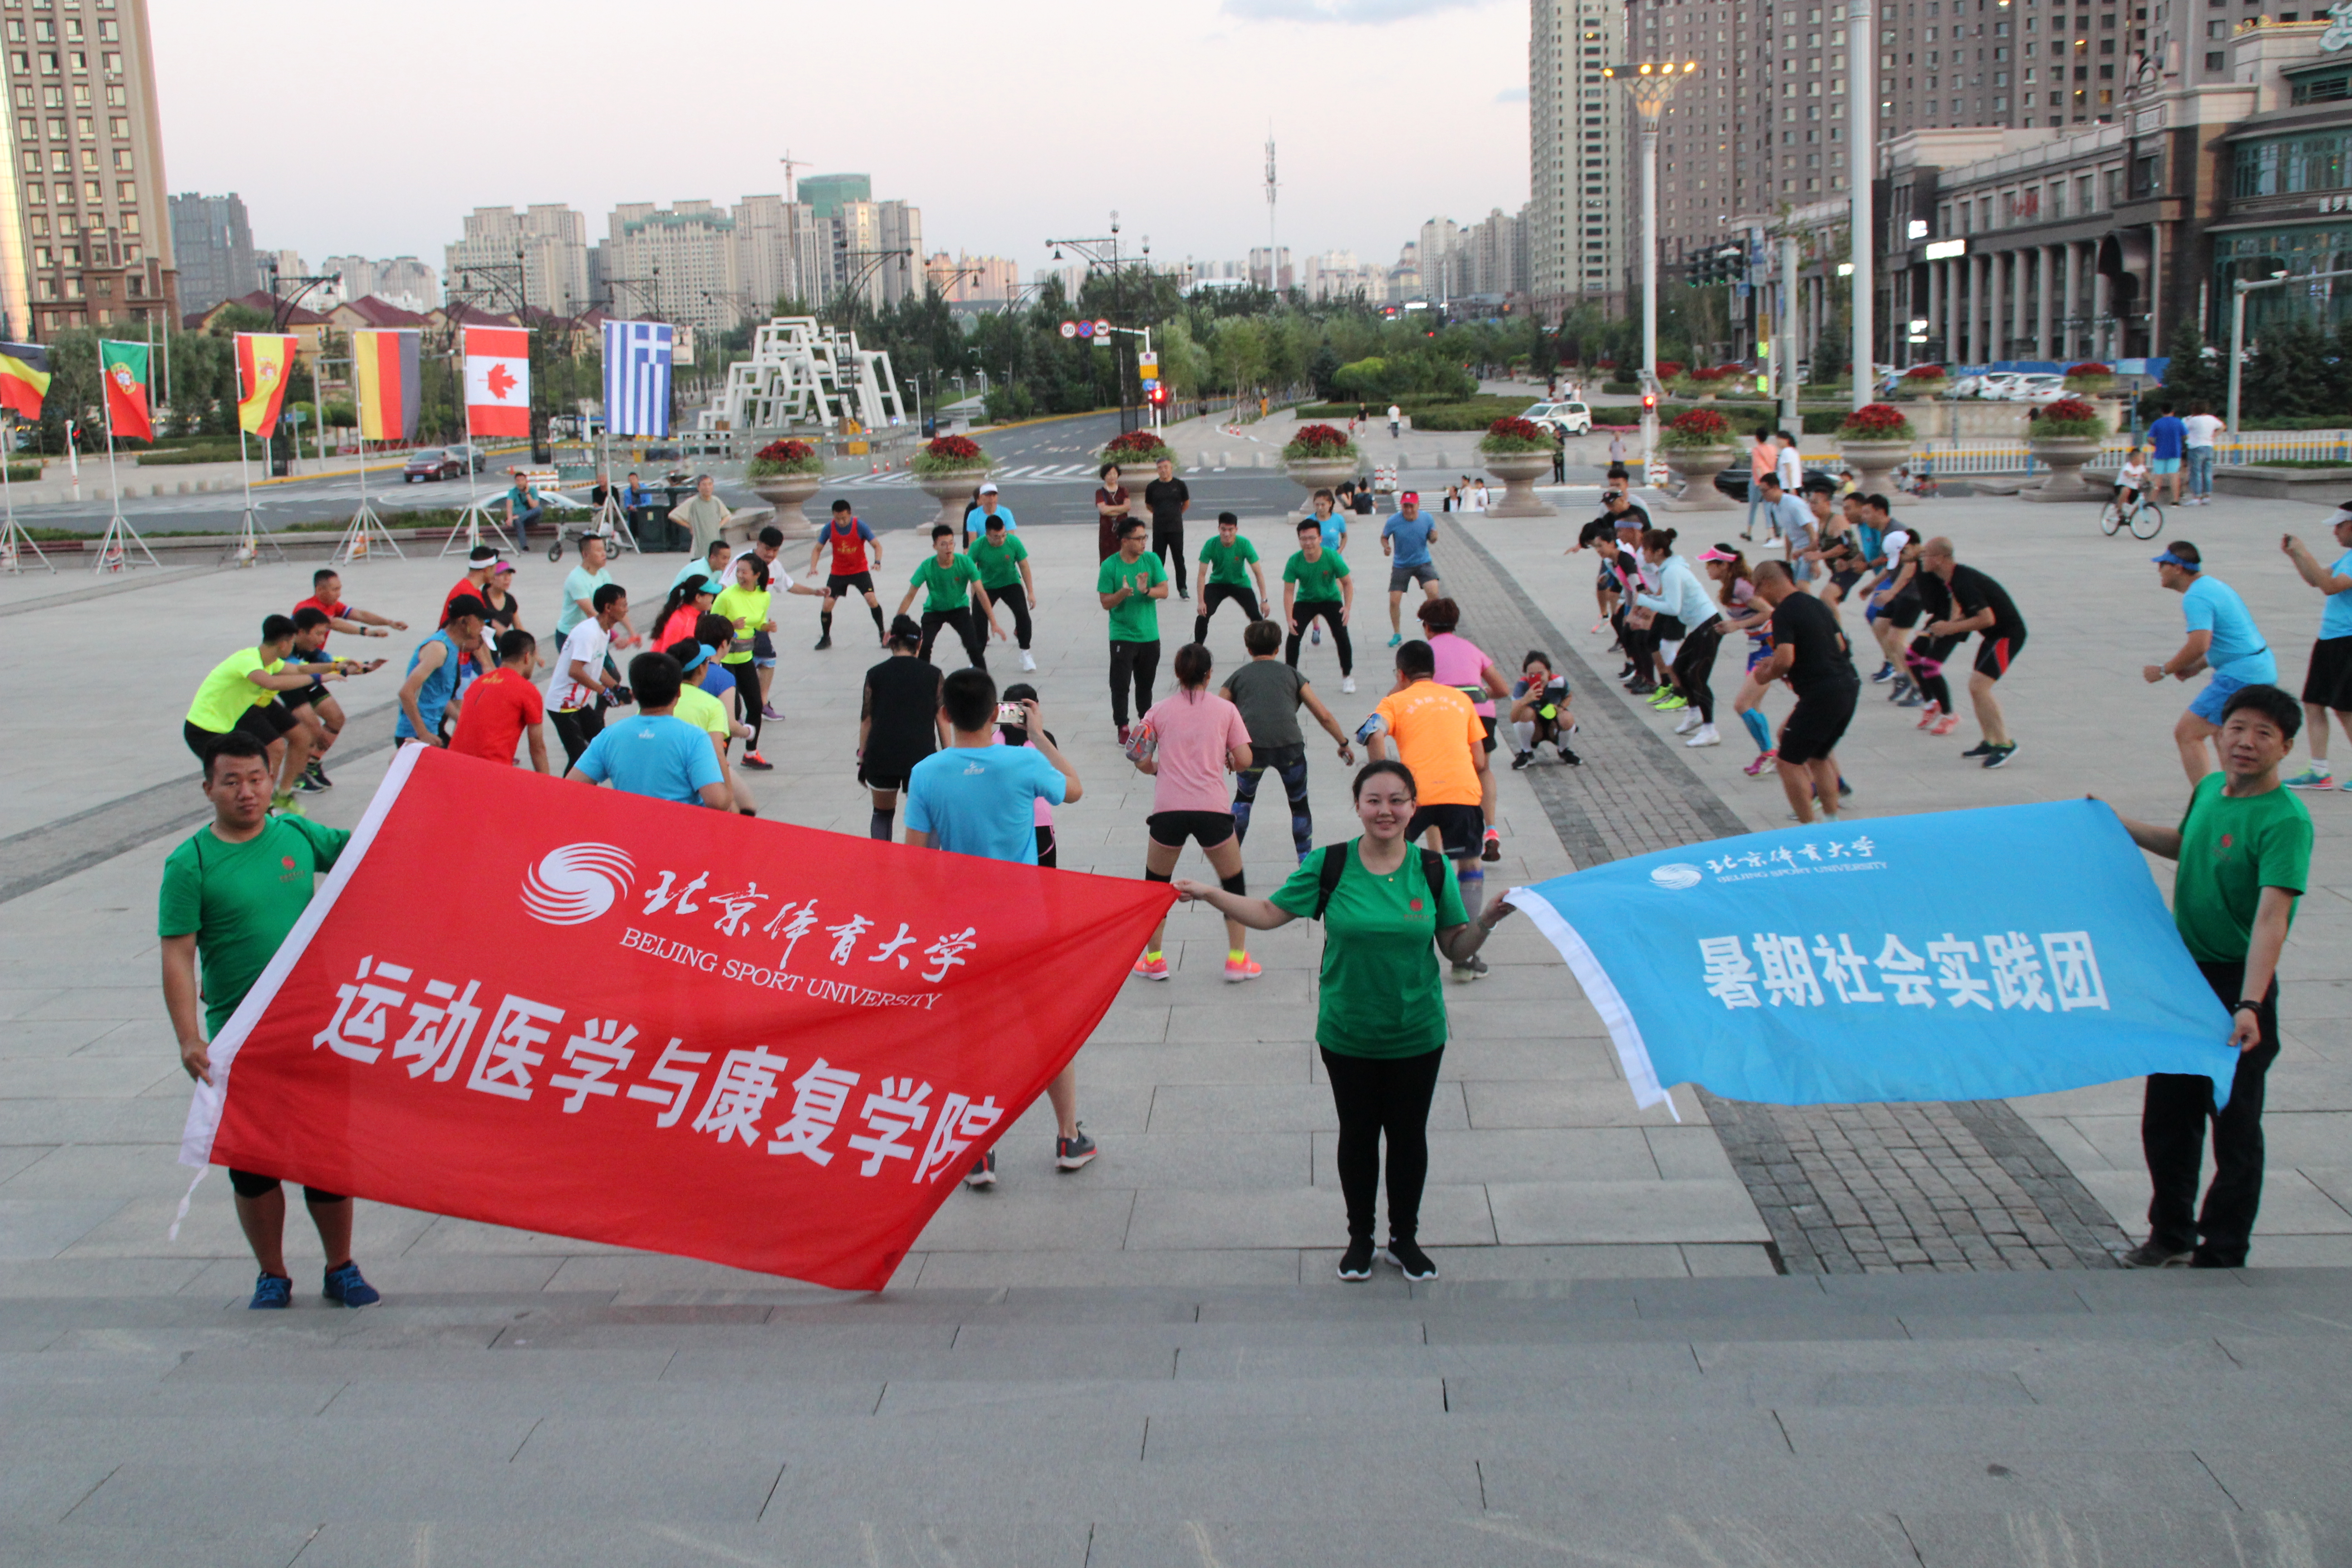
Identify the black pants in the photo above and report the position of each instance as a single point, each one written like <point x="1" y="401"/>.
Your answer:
<point x="1168" y="539"/>
<point x="1694" y="667"/>
<point x="1013" y="593"/>
<point x="1137" y="662"/>
<point x="575" y="727"/>
<point x="1287" y="763"/>
<point x="960" y="618"/>
<point x="1376" y="1096"/>
<point x="1925" y="651"/>
<point x="1303" y="614"/>
<point x="1216" y="593"/>
<point x="2172" y="1136"/>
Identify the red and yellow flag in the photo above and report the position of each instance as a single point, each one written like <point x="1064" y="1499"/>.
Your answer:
<point x="123" y="367"/>
<point x="23" y="378"/>
<point x="263" y="362"/>
<point x="383" y="371"/>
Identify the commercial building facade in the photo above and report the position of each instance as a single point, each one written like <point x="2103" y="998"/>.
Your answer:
<point x="213" y="243"/>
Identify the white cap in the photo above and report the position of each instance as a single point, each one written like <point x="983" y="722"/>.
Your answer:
<point x="1896" y="539"/>
<point x="988" y="489"/>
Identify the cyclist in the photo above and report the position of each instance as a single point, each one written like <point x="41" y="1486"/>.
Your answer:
<point x="2131" y="481"/>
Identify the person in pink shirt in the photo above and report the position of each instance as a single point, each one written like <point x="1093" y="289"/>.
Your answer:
<point x="1461" y="665"/>
<point x="1192" y="740"/>
<point x="1763" y="457"/>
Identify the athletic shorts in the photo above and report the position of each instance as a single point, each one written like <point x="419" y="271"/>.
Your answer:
<point x="1401" y="577"/>
<point x="2164" y="465"/>
<point x="1608" y="583"/>
<point x="1460" y="829"/>
<point x="840" y="583"/>
<point x="1206" y="828"/>
<point x="1995" y="655"/>
<point x="2209" y="701"/>
<point x="1486" y="723"/>
<point x="248" y="1185"/>
<point x="2329" y="683"/>
<point x="267" y="724"/>
<point x="1903" y="611"/>
<point x="880" y="778"/>
<point x="1817" y="723"/>
<point x="763" y="650"/>
<point x="1758" y="652"/>
<point x="1845" y="578"/>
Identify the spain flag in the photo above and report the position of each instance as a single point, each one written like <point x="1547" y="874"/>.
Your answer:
<point x="263" y="360"/>
<point x="23" y="378"/>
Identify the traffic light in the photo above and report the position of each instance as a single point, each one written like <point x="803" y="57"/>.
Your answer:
<point x="1649" y="402"/>
<point x="1159" y="395"/>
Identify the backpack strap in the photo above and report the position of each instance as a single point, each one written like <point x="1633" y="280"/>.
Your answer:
<point x="1335" y="865"/>
<point x="1433" y="872"/>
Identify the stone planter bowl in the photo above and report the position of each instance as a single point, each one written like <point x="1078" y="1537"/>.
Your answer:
<point x="1873" y="462"/>
<point x="1518" y="471"/>
<point x="1696" y="466"/>
<point x="2065" y="456"/>
<point x="785" y="492"/>
<point x="1312" y="474"/>
<point x="952" y="490"/>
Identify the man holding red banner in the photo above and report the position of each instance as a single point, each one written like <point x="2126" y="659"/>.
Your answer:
<point x="232" y="893"/>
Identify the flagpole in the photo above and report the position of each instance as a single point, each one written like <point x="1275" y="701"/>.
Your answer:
<point x="14" y="539"/>
<point x="118" y="527"/>
<point x="367" y="530"/>
<point x="245" y="547"/>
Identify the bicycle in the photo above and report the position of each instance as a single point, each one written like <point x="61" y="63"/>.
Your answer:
<point x="2144" y="519"/>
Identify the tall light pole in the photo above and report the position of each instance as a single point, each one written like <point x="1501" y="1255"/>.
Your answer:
<point x="1862" y="148"/>
<point x="1649" y="84"/>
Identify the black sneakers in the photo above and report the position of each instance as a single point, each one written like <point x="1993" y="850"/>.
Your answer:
<point x="1355" y="1263"/>
<point x="1409" y="1256"/>
<point x="2149" y="1255"/>
<point x="1997" y="756"/>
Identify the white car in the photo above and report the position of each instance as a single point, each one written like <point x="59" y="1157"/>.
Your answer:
<point x="1560" y="418"/>
<point x="1993" y="387"/>
<point x="2042" y="387"/>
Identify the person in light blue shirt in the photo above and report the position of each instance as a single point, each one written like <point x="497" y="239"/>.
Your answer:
<point x="1792" y="519"/>
<point x="712" y="566"/>
<point x="975" y="521"/>
<point x="1405" y="540"/>
<point x="2222" y="637"/>
<point x="2328" y="684"/>
<point x="656" y="753"/>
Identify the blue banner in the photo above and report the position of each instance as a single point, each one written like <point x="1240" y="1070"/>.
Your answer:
<point x="1953" y="956"/>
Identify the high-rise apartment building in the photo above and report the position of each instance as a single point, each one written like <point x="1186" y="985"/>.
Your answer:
<point x="825" y="194"/>
<point x="1270" y="268"/>
<point x="967" y="279"/>
<point x="686" y="254"/>
<point x="85" y="227"/>
<point x="213" y="243"/>
<point x="548" y="242"/>
<point x="878" y="250"/>
<point x="1576" y="234"/>
<point x="400" y="280"/>
<point x="784" y="251"/>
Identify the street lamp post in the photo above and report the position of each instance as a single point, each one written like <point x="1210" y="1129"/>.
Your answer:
<point x="1862" y="148"/>
<point x="1649" y="84"/>
<point x="2239" y="290"/>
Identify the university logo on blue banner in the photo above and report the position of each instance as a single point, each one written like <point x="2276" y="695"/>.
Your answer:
<point x="637" y="377"/>
<point x="1952" y="955"/>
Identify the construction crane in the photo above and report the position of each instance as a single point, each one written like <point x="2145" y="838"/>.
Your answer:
<point x="789" y="163"/>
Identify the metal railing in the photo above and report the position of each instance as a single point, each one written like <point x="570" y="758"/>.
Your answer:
<point x="1959" y="460"/>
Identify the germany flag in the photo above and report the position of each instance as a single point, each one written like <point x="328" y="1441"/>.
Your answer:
<point x="23" y="378"/>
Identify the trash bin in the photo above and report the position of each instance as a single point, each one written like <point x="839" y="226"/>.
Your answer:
<point x="279" y="462"/>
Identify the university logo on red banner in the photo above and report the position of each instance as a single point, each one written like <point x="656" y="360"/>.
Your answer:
<point x="534" y="1004"/>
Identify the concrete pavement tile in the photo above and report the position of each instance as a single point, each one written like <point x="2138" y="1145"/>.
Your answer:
<point x="2285" y="1476"/>
<point x="1243" y="1015"/>
<point x="467" y="1238"/>
<point x="1710" y="1260"/>
<point x="1471" y="1265"/>
<point x="86" y="1078"/>
<point x="684" y="1401"/>
<point x="1930" y="1425"/>
<point x="1682" y="1540"/>
<point x="1284" y="1062"/>
<point x="1291" y="1217"/>
<point x="1579" y="1103"/>
<point x="1517" y="1058"/>
<point x="555" y="1366"/>
<point x="1205" y="1269"/>
<point x="158" y="1545"/>
<point x="2292" y="1204"/>
<point x="103" y="1277"/>
<point x="1521" y="1155"/>
<point x="1046" y="1212"/>
<point x="1232" y="1398"/>
<point x="26" y="1039"/>
<point x="1624" y="1211"/>
<point x="43" y="1227"/>
<point x="48" y="1124"/>
<point x="1268" y="1107"/>
<point x="2166" y="1538"/>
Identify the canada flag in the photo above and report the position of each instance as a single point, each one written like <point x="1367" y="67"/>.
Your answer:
<point x="498" y="381"/>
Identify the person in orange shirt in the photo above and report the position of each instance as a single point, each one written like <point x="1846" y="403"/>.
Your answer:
<point x="1435" y="731"/>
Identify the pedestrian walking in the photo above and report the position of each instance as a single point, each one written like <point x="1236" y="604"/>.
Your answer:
<point x="1396" y="421"/>
<point x="702" y="514"/>
<point x="2167" y="444"/>
<point x="2200" y="431"/>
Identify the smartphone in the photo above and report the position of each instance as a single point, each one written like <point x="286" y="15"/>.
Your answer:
<point x="1011" y="713"/>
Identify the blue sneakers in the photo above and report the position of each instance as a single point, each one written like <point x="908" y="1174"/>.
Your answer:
<point x="271" y="1291"/>
<point x="345" y="1284"/>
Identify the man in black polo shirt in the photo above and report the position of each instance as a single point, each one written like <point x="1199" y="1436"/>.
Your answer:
<point x="1808" y="649"/>
<point x="1959" y="600"/>
<point x="1166" y="497"/>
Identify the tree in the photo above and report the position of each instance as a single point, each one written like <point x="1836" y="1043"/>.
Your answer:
<point x="2291" y="375"/>
<point x="2191" y="377"/>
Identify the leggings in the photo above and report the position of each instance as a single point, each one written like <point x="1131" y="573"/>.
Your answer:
<point x="1925" y="656"/>
<point x="746" y="676"/>
<point x="1289" y="765"/>
<point x="1216" y="593"/>
<point x="1694" y="667"/>
<point x="1303" y="614"/>
<point x="1376" y="1095"/>
<point x="1167" y="540"/>
<point x="960" y="619"/>
<point x="1136" y="661"/>
<point x="575" y="727"/>
<point x="1015" y="594"/>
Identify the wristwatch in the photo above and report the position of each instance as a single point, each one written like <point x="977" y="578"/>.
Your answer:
<point x="2247" y="1005"/>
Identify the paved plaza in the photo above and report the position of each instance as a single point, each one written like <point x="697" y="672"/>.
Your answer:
<point x="1752" y="1335"/>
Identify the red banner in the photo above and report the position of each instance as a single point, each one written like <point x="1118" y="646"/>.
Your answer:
<point x="535" y="1003"/>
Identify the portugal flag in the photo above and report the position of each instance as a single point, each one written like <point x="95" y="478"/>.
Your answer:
<point x="498" y="381"/>
<point x="124" y="368"/>
<point x="263" y="360"/>
<point x="23" y="378"/>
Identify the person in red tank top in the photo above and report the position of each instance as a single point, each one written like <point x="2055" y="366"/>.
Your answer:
<point x="846" y="535"/>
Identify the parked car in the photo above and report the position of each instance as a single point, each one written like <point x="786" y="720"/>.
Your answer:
<point x="2036" y="388"/>
<point x="1560" y="418"/>
<point x="469" y="457"/>
<point x="430" y="463"/>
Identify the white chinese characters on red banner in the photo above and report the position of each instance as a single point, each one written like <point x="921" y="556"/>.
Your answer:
<point x="770" y="1046"/>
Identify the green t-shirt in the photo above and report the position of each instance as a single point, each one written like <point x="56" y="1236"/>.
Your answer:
<point x="1381" y="994"/>
<point x="1220" y="563"/>
<point x="240" y="900"/>
<point x="228" y="692"/>
<point x="1318" y="579"/>
<point x="1137" y="619"/>
<point x="999" y="564"/>
<point x="2230" y="851"/>
<point x="948" y="587"/>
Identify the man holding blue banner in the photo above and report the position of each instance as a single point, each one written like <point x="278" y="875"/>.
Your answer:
<point x="2244" y="856"/>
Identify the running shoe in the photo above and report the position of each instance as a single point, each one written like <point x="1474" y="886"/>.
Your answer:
<point x="1928" y="717"/>
<point x="1473" y="970"/>
<point x="1885" y="673"/>
<point x="1150" y="968"/>
<point x="2346" y="786"/>
<point x="1247" y="969"/>
<point x="1911" y="700"/>
<point x="1946" y="725"/>
<point x="2312" y="777"/>
<point x="1763" y="760"/>
<point x="1642" y="688"/>
<point x="1346" y="683"/>
<point x="1570" y="758"/>
<point x="1408" y="1256"/>
<point x="273" y="1293"/>
<point x="304" y="784"/>
<point x="1689" y="720"/>
<point x="982" y="1173"/>
<point x="1185" y="595"/>
<point x="1395" y="638"/>
<point x="824" y="642"/>
<point x="316" y="772"/>
<point x="768" y="711"/>
<point x="1492" y="849"/>
<point x="1844" y="789"/>
<point x="2148" y="1255"/>
<point x="1705" y="735"/>
<point x="1900" y="689"/>
<point x="1519" y="760"/>
<point x="284" y="803"/>
<point x="1315" y="634"/>
<point x="1999" y="756"/>
<point x="1981" y="749"/>
<point x="346" y="1285"/>
<point x="1074" y="1154"/>
<point x="1026" y="661"/>
<point x="1355" y="1263"/>
<point x="757" y="763"/>
<point x="1675" y="703"/>
<point x="1627" y="673"/>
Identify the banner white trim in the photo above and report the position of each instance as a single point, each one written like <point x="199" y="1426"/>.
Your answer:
<point x="1633" y="1055"/>
<point x="204" y="1108"/>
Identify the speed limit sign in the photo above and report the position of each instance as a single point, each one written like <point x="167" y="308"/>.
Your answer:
<point x="1069" y="328"/>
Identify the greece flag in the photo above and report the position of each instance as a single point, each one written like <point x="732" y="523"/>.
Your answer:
<point x="637" y="377"/>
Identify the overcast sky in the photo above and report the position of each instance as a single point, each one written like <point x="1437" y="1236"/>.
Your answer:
<point x="374" y="131"/>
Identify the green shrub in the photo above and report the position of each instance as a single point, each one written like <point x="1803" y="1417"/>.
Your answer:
<point x="166" y="456"/>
